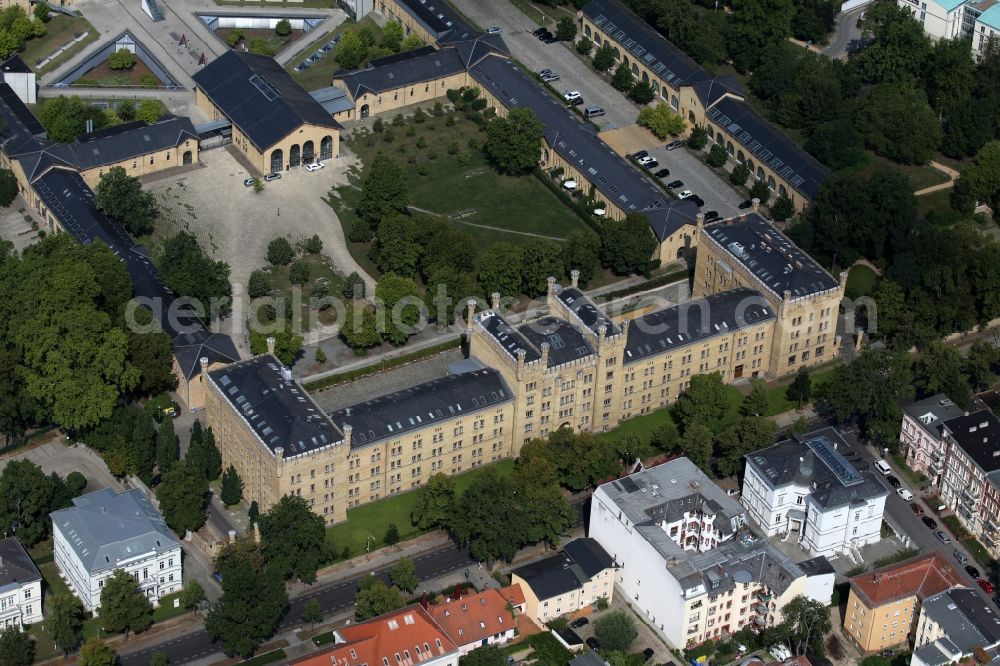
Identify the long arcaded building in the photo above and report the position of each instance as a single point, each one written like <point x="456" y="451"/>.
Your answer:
<point x="573" y="367"/>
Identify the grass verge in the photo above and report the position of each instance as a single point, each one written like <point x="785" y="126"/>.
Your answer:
<point x="59" y="31"/>
<point x="373" y="519"/>
<point x="914" y="477"/>
<point x="266" y="658"/>
<point x="860" y="281"/>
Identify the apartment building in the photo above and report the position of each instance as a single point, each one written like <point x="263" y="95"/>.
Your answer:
<point x="956" y="625"/>
<point x="20" y="586"/>
<point x="401" y="638"/>
<point x="971" y="481"/>
<point x="975" y="20"/>
<point x="714" y="102"/>
<point x="921" y="435"/>
<point x="689" y="563"/>
<point x="804" y="488"/>
<point x="103" y="532"/>
<point x="747" y="251"/>
<point x="566" y="582"/>
<point x="883" y="605"/>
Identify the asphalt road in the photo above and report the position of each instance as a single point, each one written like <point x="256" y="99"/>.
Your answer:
<point x="332" y="598"/>
<point x="845" y="31"/>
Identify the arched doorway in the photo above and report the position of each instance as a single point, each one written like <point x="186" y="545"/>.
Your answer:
<point x="277" y="160"/>
<point x="364" y="110"/>
<point x="308" y="152"/>
<point x="186" y="158"/>
<point x="326" y="148"/>
<point x="294" y="156"/>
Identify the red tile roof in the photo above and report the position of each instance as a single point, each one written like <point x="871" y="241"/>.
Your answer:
<point x="920" y="576"/>
<point x="405" y="637"/>
<point x="474" y="617"/>
<point x="514" y="594"/>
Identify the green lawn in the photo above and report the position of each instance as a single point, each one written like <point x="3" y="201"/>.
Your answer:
<point x="373" y="519"/>
<point x="166" y="609"/>
<point x="318" y="269"/>
<point x="920" y="175"/>
<point x="59" y="31"/>
<point x="939" y="202"/>
<point x="448" y="176"/>
<point x="860" y="281"/>
<point x="319" y="75"/>
<point x="266" y="658"/>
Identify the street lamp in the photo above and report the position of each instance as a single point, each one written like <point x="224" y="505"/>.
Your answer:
<point x="368" y="543"/>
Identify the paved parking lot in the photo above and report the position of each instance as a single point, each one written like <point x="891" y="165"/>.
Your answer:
<point x="14" y="227"/>
<point x="56" y="456"/>
<point x="574" y="73"/>
<point x="685" y="166"/>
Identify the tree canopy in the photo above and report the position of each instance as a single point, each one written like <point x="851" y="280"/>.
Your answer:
<point x="124" y="607"/>
<point x="183" y="495"/>
<point x="627" y="245"/>
<point x="292" y="536"/>
<point x="27" y="496"/>
<point x="189" y="271"/>
<point x="384" y="191"/>
<point x="514" y="142"/>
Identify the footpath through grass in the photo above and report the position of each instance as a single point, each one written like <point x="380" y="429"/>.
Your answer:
<point x="373" y="519"/>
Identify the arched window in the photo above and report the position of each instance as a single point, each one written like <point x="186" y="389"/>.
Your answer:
<point x="597" y="38"/>
<point x="635" y="69"/>
<point x="326" y="148"/>
<point x="645" y="77"/>
<point x="617" y="53"/>
<point x="739" y="156"/>
<point x="308" y="152"/>
<point x="277" y="160"/>
<point x="760" y="173"/>
<point x="750" y="166"/>
<point x="782" y="191"/>
<point x="770" y="183"/>
<point x="364" y="110"/>
<point x="586" y="31"/>
<point x="719" y="138"/>
<point x="656" y="87"/>
<point x="294" y="156"/>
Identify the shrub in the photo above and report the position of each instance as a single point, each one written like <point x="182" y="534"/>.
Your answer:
<point x="760" y="191"/>
<point x="738" y="176"/>
<point x="642" y="93"/>
<point x="584" y="46"/>
<point x="320" y="355"/>
<point x="359" y="231"/>
<point x="354" y="286"/>
<point x="8" y="187"/>
<point x="148" y="81"/>
<point x="419" y="116"/>
<point x="122" y="59"/>
<point x="698" y="139"/>
<point x="783" y="208"/>
<point x="283" y="28"/>
<point x="717" y="156"/>
<point x="259" y="284"/>
<point x="314" y="245"/>
<point x="449" y="121"/>
<point x="235" y="37"/>
<point x="280" y="252"/>
<point x="299" y="272"/>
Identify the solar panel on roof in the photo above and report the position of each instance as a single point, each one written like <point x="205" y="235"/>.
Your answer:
<point x="841" y="468"/>
<point x="798" y="180"/>
<point x="264" y="87"/>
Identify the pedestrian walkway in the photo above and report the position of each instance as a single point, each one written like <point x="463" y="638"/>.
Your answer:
<point x="947" y="185"/>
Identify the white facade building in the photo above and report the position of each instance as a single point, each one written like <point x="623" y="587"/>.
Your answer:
<point x="953" y="626"/>
<point x="806" y="490"/>
<point x="20" y="586"/>
<point x="688" y="563"/>
<point x="978" y="20"/>
<point x="103" y="532"/>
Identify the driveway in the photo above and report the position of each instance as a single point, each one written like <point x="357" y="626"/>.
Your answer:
<point x="235" y="224"/>
<point x="56" y="456"/>
<point x="574" y="72"/>
<point x="845" y="31"/>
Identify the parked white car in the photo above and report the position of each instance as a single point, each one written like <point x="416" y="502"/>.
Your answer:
<point x="904" y="493"/>
<point x="315" y="166"/>
<point x="685" y="194"/>
<point x="780" y="652"/>
<point x="571" y="95"/>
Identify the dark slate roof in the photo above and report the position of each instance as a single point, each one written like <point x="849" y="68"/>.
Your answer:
<point x="416" y="407"/>
<point x="16" y="568"/>
<point x="260" y="97"/>
<point x="417" y="68"/>
<point x="676" y="215"/>
<point x="22" y="129"/>
<point x="931" y="413"/>
<point x="507" y="336"/>
<point x="588" y="555"/>
<point x="965" y="617"/>
<point x="119" y="144"/>
<point x="71" y="201"/>
<point x="817" y="566"/>
<point x="767" y="253"/>
<point x="439" y="19"/>
<point x="591" y="316"/>
<point x="475" y="49"/>
<point x="645" y="44"/>
<point x="276" y="408"/>
<point x="563" y="572"/>
<point x="566" y="343"/>
<point x="15" y="65"/>
<point x="808" y="462"/>
<point x="769" y="145"/>
<point x="978" y="434"/>
<point x="576" y="142"/>
<point x="104" y="528"/>
<point x="710" y="91"/>
<point x="694" y="321"/>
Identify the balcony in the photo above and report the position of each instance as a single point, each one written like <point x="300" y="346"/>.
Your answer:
<point x="760" y="621"/>
<point x="761" y="608"/>
<point x="764" y="596"/>
<point x="969" y="498"/>
<point x="935" y="456"/>
<point x="987" y="540"/>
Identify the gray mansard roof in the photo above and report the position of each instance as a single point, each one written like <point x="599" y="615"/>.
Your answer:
<point x="967" y="619"/>
<point x="931" y="413"/>
<point x="16" y="567"/>
<point x="104" y="529"/>
<point x="814" y="461"/>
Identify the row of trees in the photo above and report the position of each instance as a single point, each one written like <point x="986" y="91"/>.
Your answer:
<point x="359" y="45"/>
<point x="65" y="118"/>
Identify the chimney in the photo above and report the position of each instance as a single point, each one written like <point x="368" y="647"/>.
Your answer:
<point x="470" y="311"/>
<point x="787" y="295"/>
<point x="232" y="536"/>
<point x="700" y="220"/>
<point x="602" y="331"/>
<point x="270" y="344"/>
<point x="625" y="326"/>
<point x="520" y="360"/>
<point x="545" y="354"/>
<point x="495" y="300"/>
<point x="755" y="204"/>
<point x="574" y="277"/>
<point x="348" y="429"/>
<point x="843" y="279"/>
<point x="552" y="285"/>
<point x="203" y="361"/>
